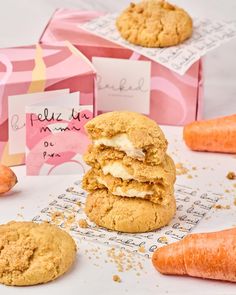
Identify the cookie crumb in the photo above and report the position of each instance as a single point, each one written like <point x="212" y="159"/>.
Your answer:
<point x="116" y="278"/>
<point x="70" y="219"/>
<point x="20" y="215"/>
<point x="83" y="223"/>
<point x="57" y="214"/>
<point x="231" y="175"/>
<point x="180" y="169"/>
<point x="142" y="249"/>
<point x="163" y="239"/>
<point x="218" y="206"/>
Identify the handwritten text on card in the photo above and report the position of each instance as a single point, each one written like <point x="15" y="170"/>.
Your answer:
<point x="55" y="139"/>
<point x="16" y="115"/>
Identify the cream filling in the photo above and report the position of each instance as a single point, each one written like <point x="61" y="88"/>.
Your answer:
<point x="117" y="170"/>
<point x="131" y="193"/>
<point x="101" y="181"/>
<point x="122" y="143"/>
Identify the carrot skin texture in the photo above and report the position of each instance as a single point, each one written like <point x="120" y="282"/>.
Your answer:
<point x="167" y="258"/>
<point x="206" y="255"/>
<point x="214" y="135"/>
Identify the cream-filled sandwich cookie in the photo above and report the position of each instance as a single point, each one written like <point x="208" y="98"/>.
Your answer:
<point x="131" y="215"/>
<point x="134" y="134"/>
<point x="119" y="165"/>
<point x="155" y="192"/>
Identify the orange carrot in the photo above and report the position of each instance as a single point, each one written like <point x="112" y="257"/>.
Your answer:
<point x="7" y="179"/>
<point x="214" y="135"/>
<point x="206" y="255"/>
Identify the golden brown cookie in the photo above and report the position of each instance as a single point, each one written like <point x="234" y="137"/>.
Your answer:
<point x="154" y="192"/>
<point x="134" y="134"/>
<point x="116" y="163"/>
<point x="154" y="23"/>
<point x="32" y="253"/>
<point x="131" y="215"/>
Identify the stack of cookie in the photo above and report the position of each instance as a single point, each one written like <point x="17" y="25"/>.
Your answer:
<point x="131" y="182"/>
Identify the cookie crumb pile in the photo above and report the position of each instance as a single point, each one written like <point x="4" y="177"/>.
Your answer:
<point x="131" y="182"/>
<point x="83" y="223"/>
<point x="154" y="23"/>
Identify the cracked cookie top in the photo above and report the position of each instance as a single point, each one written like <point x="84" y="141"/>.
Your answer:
<point x="32" y="253"/>
<point x="131" y="215"/>
<point x="154" y="23"/>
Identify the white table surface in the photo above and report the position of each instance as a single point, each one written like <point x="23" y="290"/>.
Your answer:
<point x="90" y="276"/>
<point x="22" y="22"/>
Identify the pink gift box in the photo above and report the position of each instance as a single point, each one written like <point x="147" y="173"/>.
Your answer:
<point x="40" y="68"/>
<point x="175" y="99"/>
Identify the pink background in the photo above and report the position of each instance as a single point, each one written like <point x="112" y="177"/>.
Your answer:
<point x="62" y="69"/>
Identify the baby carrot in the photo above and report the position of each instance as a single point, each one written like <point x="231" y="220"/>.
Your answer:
<point x="214" y="135"/>
<point x="7" y="179"/>
<point x="206" y="255"/>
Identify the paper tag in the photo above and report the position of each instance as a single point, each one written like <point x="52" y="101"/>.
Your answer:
<point x="123" y="84"/>
<point x="207" y="35"/>
<point x="55" y="137"/>
<point x="192" y="206"/>
<point x="16" y="116"/>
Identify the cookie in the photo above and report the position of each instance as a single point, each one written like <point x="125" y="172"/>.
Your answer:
<point x="134" y="134"/>
<point x="154" y="23"/>
<point x="116" y="163"/>
<point x="131" y="215"/>
<point x="32" y="253"/>
<point x="154" y="192"/>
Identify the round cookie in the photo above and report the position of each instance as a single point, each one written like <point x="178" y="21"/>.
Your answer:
<point x="154" y="23"/>
<point x="133" y="133"/>
<point x="131" y="215"/>
<point x="32" y="253"/>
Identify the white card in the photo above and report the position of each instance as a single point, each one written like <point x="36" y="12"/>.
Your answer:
<point x="207" y="35"/>
<point x="55" y="136"/>
<point x="123" y="84"/>
<point x="16" y="115"/>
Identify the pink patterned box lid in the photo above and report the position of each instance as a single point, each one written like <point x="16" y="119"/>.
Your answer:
<point x="38" y="68"/>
